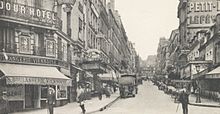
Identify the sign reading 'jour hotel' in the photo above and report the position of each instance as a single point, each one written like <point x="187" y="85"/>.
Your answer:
<point x="202" y="13"/>
<point x="27" y="13"/>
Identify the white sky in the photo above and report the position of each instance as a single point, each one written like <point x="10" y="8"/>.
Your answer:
<point x="145" y="21"/>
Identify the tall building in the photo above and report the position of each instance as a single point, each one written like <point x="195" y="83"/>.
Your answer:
<point x="63" y="44"/>
<point x="34" y="53"/>
<point x="162" y="56"/>
<point x="151" y="60"/>
<point x="194" y="17"/>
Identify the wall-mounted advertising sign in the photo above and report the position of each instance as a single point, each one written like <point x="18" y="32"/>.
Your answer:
<point x="202" y="13"/>
<point x="27" y="13"/>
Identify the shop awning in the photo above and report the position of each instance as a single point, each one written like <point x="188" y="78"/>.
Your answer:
<point x="213" y="74"/>
<point x="34" y="75"/>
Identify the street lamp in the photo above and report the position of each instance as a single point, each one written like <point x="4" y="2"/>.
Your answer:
<point x="198" y="99"/>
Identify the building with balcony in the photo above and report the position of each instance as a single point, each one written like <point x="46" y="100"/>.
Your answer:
<point x="209" y="51"/>
<point x="191" y="20"/>
<point x="60" y="44"/>
<point x="34" y="54"/>
<point x="173" y="62"/>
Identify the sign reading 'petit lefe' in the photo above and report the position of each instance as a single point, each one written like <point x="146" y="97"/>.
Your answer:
<point x="202" y="13"/>
<point x="28" y="13"/>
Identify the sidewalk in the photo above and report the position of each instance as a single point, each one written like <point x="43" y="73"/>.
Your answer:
<point x="73" y="108"/>
<point x="204" y="102"/>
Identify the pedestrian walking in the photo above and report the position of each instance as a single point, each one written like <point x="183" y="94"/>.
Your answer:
<point x="184" y="100"/>
<point x="51" y="100"/>
<point x="81" y="100"/>
<point x="114" y="88"/>
<point x="82" y="106"/>
<point x="100" y="94"/>
<point x="197" y="92"/>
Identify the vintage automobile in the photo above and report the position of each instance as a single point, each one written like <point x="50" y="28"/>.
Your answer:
<point x="128" y="85"/>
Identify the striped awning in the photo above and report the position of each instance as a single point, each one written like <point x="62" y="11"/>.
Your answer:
<point x="33" y="75"/>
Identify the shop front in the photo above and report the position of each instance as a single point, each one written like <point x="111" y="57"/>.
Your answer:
<point x="212" y="79"/>
<point x="95" y="67"/>
<point x="27" y="85"/>
<point x="209" y="83"/>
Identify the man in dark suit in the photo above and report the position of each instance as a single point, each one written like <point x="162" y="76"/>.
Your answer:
<point x="184" y="99"/>
<point x="3" y="103"/>
<point x="51" y="98"/>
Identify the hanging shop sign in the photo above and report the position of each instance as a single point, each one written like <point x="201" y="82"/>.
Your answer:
<point x="202" y="13"/>
<point x="94" y="53"/>
<point x="27" y="13"/>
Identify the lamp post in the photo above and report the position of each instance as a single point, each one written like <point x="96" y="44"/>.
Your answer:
<point x="198" y="99"/>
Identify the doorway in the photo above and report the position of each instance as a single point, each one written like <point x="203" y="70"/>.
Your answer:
<point x="32" y="97"/>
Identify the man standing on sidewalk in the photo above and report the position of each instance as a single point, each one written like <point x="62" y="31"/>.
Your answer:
<point x="184" y="99"/>
<point x="3" y="103"/>
<point x="81" y="99"/>
<point x="198" y="99"/>
<point x="51" y="99"/>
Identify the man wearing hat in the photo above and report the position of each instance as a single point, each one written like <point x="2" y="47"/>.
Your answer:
<point x="184" y="100"/>
<point x="3" y="103"/>
<point x="51" y="98"/>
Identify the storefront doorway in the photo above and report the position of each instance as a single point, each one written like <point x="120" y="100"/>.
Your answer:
<point x="32" y="96"/>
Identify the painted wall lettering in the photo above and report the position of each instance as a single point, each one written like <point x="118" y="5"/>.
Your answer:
<point x="202" y="13"/>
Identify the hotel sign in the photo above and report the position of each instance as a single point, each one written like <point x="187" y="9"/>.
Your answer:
<point x="202" y="13"/>
<point x="26" y="13"/>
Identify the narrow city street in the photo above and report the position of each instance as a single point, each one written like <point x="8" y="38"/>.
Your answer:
<point x="87" y="56"/>
<point x="152" y="101"/>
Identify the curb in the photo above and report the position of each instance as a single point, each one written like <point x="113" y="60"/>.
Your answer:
<point x="204" y="105"/>
<point x="104" y="107"/>
<point x="109" y="104"/>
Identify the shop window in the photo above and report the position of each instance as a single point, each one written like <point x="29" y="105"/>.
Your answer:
<point x="25" y="44"/>
<point x="59" y="46"/>
<point x="50" y="47"/>
<point x="61" y="92"/>
<point x="64" y="52"/>
<point x="80" y="30"/>
<point x="43" y="92"/>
